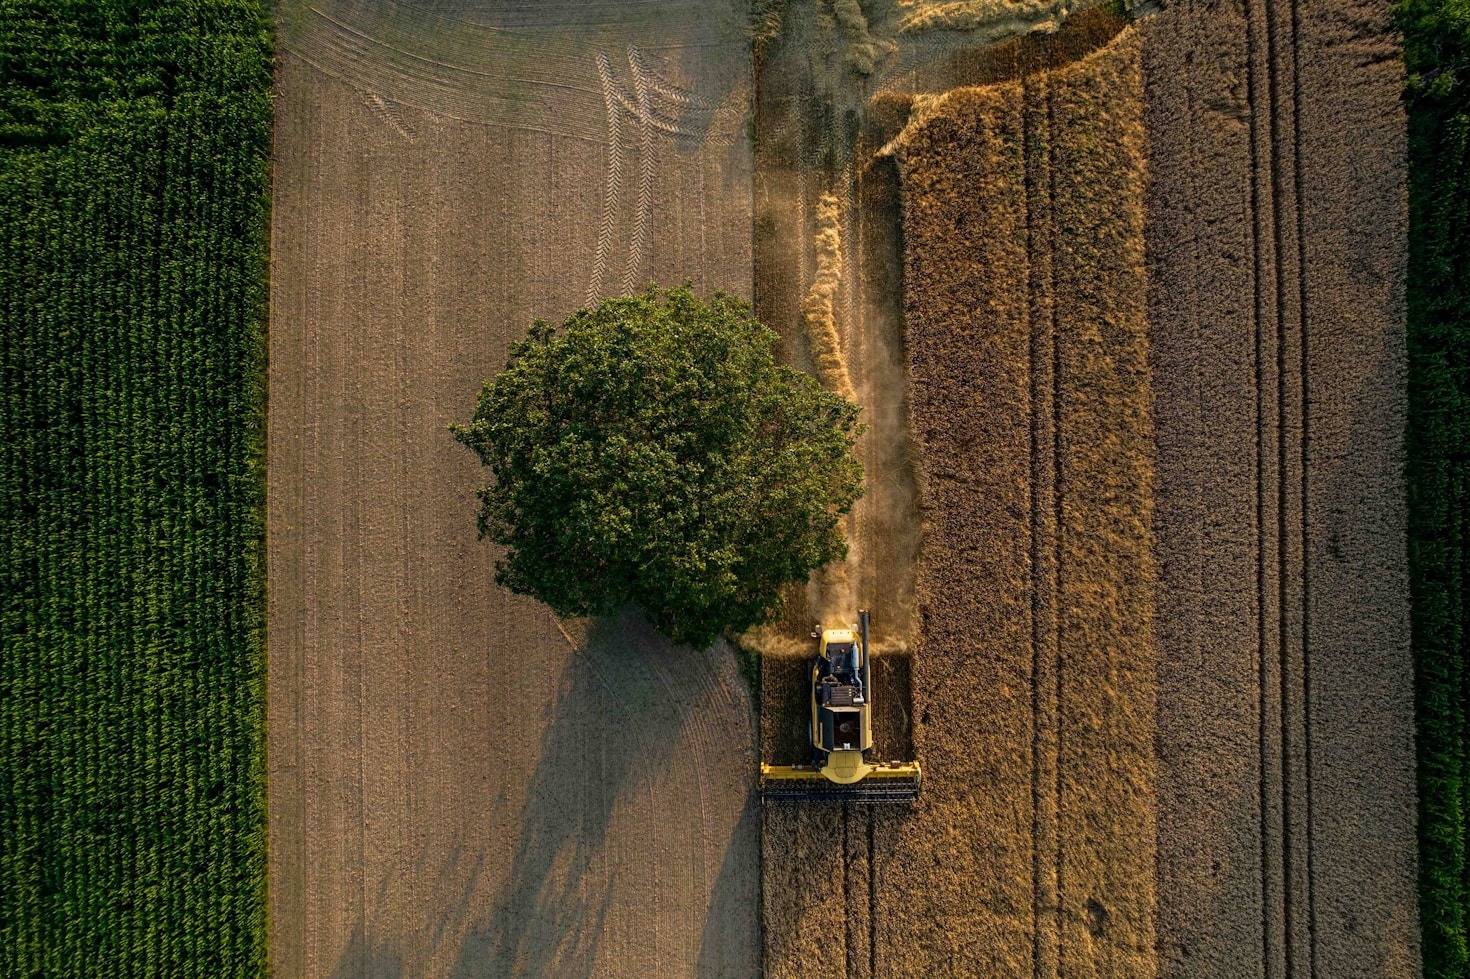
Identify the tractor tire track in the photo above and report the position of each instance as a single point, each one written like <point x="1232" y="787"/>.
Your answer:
<point x="613" y="180"/>
<point x="388" y="114"/>
<point x="441" y="65"/>
<point x="1273" y="943"/>
<point x="647" y="173"/>
<point x="684" y="125"/>
<point x="1303" y="463"/>
<point x="1287" y="941"/>
<point x="458" y="64"/>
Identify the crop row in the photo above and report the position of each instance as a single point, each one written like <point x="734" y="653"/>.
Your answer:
<point x="132" y="234"/>
<point x="1437" y="56"/>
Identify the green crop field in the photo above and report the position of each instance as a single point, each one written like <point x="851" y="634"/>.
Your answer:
<point x="1437" y="55"/>
<point x="134" y="139"/>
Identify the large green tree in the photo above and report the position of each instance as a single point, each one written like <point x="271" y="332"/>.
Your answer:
<point x="651" y="452"/>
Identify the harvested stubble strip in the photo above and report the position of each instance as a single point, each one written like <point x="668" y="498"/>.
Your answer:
<point x="802" y="891"/>
<point x="815" y="889"/>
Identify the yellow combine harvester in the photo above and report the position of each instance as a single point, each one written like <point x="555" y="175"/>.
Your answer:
<point x="842" y="732"/>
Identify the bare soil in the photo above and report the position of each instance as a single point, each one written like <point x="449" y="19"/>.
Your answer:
<point x="460" y="785"/>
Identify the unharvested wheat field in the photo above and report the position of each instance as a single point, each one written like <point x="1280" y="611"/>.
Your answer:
<point x="1123" y="303"/>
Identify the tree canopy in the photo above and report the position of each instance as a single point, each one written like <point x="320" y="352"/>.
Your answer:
<point x="652" y="452"/>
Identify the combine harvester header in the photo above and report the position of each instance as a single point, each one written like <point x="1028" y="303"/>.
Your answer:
<point x="841" y="732"/>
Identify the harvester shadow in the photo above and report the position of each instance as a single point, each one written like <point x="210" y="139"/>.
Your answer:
<point x="605" y="755"/>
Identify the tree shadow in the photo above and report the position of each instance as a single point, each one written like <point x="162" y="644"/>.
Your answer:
<point x="362" y="961"/>
<point x="725" y="951"/>
<point x="628" y="700"/>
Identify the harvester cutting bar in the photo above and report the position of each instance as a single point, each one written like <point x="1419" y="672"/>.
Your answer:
<point x="890" y="782"/>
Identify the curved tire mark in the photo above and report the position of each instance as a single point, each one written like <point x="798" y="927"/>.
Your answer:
<point x="647" y="172"/>
<point x="612" y="188"/>
<point x="387" y="113"/>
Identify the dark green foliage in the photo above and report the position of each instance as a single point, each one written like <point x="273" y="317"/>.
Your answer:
<point x="651" y="452"/>
<point x="133" y="146"/>
<point x="1437" y="58"/>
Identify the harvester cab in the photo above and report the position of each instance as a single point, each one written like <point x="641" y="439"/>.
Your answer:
<point x="842" y="732"/>
<point x="840" y="718"/>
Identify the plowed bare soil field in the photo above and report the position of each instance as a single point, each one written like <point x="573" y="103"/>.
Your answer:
<point x="459" y="784"/>
<point x="1123" y="303"/>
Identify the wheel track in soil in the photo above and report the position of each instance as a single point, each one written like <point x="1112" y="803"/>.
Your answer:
<point x="439" y="59"/>
<point x="613" y="180"/>
<point x="1045" y="519"/>
<point x="1281" y="420"/>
